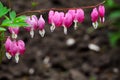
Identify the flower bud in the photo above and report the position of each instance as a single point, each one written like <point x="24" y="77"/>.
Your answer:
<point x="41" y="25"/>
<point x="14" y="31"/>
<point x="32" y="21"/>
<point x="94" y="18"/>
<point x="14" y="48"/>
<point x="101" y="10"/>
<point x="67" y="21"/>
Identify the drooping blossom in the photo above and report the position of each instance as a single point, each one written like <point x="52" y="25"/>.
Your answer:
<point x="20" y="50"/>
<point x="94" y="18"/>
<point x="50" y="15"/>
<point x="72" y="12"/>
<point x="67" y="22"/>
<point x="14" y="31"/>
<point x="50" y="20"/>
<point x="33" y="24"/>
<point x="8" y="44"/>
<point x="101" y="10"/>
<point x="14" y="48"/>
<point x="41" y="25"/>
<point x="56" y="19"/>
<point x="77" y="15"/>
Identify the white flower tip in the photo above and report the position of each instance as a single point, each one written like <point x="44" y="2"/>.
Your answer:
<point x="14" y="36"/>
<point x="42" y="32"/>
<point x="75" y="25"/>
<point x="8" y="55"/>
<point x="94" y="47"/>
<point x="95" y="24"/>
<point x="65" y="30"/>
<point x="52" y="28"/>
<point x="17" y="58"/>
<point x="102" y="20"/>
<point x="31" y="33"/>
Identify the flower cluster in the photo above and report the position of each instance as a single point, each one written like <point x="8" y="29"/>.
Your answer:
<point x="35" y="24"/>
<point x="14" y="48"/>
<point x="65" y="20"/>
<point x="96" y="14"/>
<point x="56" y="19"/>
<point x="14" y="31"/>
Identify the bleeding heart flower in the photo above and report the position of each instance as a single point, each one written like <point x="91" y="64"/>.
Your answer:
<point x="14" y="48"/>
<point x="20" y="50"/>
<point x="77" y="15"/>
<point x="41" y="25"/>
<point x="21" y="46"/>
<point x="55" y="18"/>
<point x="67" y="21"/>
<point x="94" y="18"/>
<point x="33" y="24"/>
<point x="50" y="20"/>
<point x="7" y="47"/>
<point x="50" y="15"/>
<point x="14" y="31"/>
<point x="101" y="10"/>
<point x="72" y="12"/>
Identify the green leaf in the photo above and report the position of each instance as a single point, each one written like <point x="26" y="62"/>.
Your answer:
<point x="12" y="15"/>
<point x="110" y="3"/>
<point x="9" y="23"/>
<point x="6" y="22"/>
<point x="3" y="10"/>
<point x="19" y="24"/>
<point x="114" y="15"/>
<point x="1" y="5"/>
<point x="2" y="29"/>
<point x="20" y="19"/>
<point x="113" y="38"/>
<point x="14" y="21"/>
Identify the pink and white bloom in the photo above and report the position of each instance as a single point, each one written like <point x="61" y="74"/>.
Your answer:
<point x="33" y="24"/>
<point x="55" y="18"/>
<point x="94" y="18"/>
<point x="77" y="15"/>
<point x="101" y="10"/>
<point x="72" y="12"/>
<point x="50" y="20"/>
<point x="20" y="49"/>
<point x="21" y="46"/>
<point x="50" y="15"/>
<point x="67" y="22"/>
<point x="8" y="44"/>
<point x="41" y="25"/>
<point x="58" y="18"/>
<point x="14" y="49"/>
<point x="14" y="31"/>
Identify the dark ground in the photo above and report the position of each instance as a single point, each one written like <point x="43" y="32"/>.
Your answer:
<point x="76" y="62"/>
